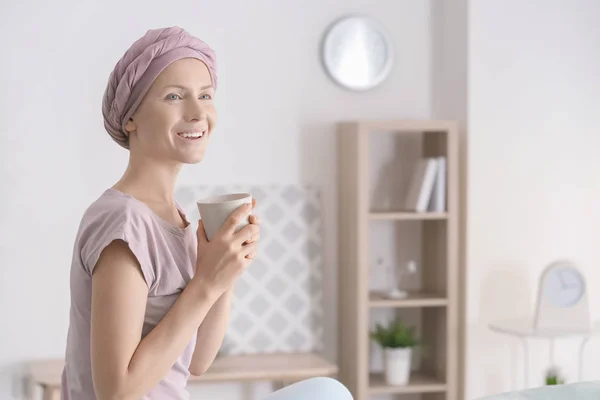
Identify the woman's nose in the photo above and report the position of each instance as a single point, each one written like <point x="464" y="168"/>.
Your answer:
<point x="195" y="112"/>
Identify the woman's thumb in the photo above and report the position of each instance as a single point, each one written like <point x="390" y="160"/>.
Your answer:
<point x="201" y="233"/>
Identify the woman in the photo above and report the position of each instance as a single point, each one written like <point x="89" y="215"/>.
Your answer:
<point x="150" y="299"/>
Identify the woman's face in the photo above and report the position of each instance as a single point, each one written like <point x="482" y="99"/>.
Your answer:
<point x="176" y="117"/>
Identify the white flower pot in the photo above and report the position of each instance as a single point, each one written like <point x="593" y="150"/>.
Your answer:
<point x="397" y="365"/>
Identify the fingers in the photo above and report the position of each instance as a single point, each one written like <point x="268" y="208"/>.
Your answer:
<point x="250" y="250"/>
<point x="254" y="220"/>
<point x="254" y="238"/>
<point x="253" y="203"/>
<point x="235" y="218"/>
<point x="201" y="233"/>
<point x="248" y="234"/>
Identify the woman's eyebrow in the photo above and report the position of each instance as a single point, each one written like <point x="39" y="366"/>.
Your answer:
<point x="185" y="88"/>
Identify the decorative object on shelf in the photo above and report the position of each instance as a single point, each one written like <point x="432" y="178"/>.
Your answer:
<point x="562" y="303"/>
<point x="397" y="341"/>
<point x="427" y="190"/>
<point x="357" y="52"/>
<point x="553" y="377"/>
<point x="395" y="292"/>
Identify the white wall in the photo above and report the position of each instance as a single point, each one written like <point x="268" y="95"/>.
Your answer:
<point x="533" y="118"/>
<point x="276" y="106"/>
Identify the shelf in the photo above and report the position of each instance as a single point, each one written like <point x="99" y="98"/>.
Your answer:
<point x="275" y="366"/>
<point x="414" y="299"/>
<point x="418" y="383"/>
<point x="228" y="368"/>
<point x="407" y="215"/>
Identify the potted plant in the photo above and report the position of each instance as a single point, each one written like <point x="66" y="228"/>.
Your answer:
<point x="397" y="341"/>
<point x="553" y="377"/>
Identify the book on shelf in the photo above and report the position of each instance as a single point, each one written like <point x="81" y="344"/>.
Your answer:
<point x="427" y="189"/>
<point x="438" y="194"/>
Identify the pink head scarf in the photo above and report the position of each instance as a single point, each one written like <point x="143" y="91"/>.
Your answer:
<point x="141" y="64"/>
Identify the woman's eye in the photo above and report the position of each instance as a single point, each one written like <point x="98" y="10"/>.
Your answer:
<point x="206" y="97"/>
<point x="173" y="96"/>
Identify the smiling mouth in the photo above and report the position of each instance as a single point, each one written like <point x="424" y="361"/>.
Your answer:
<point x="192" y="135"/>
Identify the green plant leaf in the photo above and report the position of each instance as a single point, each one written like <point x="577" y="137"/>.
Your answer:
<point x="395" y="335"/>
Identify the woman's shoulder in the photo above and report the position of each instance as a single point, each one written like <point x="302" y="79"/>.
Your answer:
<point x="115" y="216"/>
<point x="118" y="205"/>
<point x="114" y="211"/>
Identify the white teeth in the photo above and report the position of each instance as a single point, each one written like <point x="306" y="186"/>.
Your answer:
<point x="191" y="135"/>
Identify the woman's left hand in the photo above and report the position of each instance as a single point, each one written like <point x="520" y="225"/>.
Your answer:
<point x="255" y="221"/>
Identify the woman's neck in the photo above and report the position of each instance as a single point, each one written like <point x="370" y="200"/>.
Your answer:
<point x="149" y="180"/>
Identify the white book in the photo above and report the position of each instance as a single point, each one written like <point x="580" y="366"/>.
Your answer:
<point x="438" y="196"/>
<point x="421" y="185"/>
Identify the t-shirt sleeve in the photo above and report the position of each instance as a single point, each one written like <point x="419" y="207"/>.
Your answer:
<point x="118" y="223"/>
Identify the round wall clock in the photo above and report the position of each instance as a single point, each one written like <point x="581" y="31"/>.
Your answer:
<point x="357" y="53"/>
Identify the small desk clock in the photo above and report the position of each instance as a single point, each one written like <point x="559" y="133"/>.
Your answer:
<point x="562" y="302"/>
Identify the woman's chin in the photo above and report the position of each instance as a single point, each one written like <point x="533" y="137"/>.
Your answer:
<point x="192" y="158"/>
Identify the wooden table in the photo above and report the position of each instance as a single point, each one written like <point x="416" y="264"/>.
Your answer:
<point x="281" y="369"/>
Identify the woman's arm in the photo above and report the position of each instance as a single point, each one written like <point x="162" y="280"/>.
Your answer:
<point x="212" y="330"/>
<point x="123" y="367"/>
<point x="211" y="333"/>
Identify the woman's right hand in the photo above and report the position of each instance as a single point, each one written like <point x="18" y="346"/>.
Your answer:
<point x="223" y="259"/>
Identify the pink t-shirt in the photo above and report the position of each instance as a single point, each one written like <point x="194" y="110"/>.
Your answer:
<point x="167" y="255"/>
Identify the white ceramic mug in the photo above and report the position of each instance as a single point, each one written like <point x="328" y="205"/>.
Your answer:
<point x="215" y="210"/>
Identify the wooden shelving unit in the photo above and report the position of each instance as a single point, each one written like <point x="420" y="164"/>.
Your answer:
<point x="436" y="301"/>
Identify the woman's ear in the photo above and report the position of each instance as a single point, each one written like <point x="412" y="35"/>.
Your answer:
<point x="130" y="126"/>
